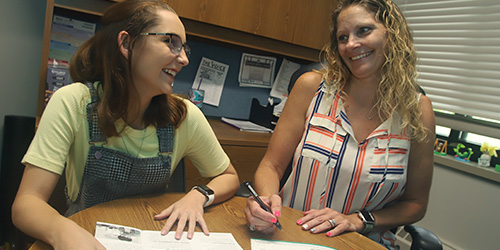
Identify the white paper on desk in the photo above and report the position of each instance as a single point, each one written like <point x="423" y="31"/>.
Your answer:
<point x="120" y="237"/>
<point x="259" y="244"/>
<point x="280" y="86"/>
<point x="246" y="125"/>
<point x="256" y="71"/>
<point x="210" y="77"/>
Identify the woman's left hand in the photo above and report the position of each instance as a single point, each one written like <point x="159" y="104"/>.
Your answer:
<point x="329" y="221"/>
<point x="186" y="211"/>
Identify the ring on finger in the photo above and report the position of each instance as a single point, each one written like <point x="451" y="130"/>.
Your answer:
<point x="251" y="227"/>
<point x="332" y="222"/>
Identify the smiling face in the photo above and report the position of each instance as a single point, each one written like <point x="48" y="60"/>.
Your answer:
<point x="154" y="66"/>
<point x="361" y="41"/>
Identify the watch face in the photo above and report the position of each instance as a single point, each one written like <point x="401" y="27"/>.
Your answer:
<point x="206" y="189"/>
<point x="368" y="216"/>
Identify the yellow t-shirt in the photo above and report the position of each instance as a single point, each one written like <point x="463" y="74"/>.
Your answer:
<point x="62" y="138"/>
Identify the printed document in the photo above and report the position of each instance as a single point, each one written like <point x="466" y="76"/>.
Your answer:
<point x="280" y="86"/>
<point x="124" y="238"/>
<point x="258" y="244"/>
<point x="256" y="71"/>
<point x="210" y="77"/>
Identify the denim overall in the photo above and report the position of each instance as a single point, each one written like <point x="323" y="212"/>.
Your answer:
<point x="110" y="174"/>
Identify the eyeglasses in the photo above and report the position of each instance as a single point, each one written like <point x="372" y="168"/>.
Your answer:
<point x="174" y="43"/>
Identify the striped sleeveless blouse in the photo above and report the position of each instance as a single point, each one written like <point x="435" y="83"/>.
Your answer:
<point x="331" y="169"/>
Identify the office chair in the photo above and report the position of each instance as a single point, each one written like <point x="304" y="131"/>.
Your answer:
<point x="17" y="135"/>
<point x="178" y="179"/>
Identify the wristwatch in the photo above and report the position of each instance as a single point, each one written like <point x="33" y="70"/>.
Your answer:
<point x="207" y="192"/>
<point x="367" y="219"/>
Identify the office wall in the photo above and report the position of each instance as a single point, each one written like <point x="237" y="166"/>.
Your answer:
<point x="464" y="210"/>
<point x="21" y="27"/>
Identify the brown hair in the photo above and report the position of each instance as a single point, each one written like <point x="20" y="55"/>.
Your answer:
<point x="99" y="60"/>
<point x="398" y="90"/>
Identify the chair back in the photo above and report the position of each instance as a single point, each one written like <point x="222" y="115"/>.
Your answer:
<point x="17" y="135"/>
<point x="178" y="179"/>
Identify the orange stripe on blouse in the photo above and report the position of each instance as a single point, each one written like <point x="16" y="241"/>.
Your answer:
<point x="312" y="184"/>
<point x="357" y="176"/>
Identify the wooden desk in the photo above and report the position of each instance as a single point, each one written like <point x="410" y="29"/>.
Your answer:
<point x="227" y="217"/>
<point x="245" y="149"/>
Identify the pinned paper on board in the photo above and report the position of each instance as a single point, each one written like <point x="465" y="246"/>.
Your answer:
<point x="256" y="71"/>
<point x="210" y="78"/>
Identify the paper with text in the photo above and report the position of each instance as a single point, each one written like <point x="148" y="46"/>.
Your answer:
<point x="120" y="237"/>
<point x="280" y="86"/>
<point x="256" y="71"/>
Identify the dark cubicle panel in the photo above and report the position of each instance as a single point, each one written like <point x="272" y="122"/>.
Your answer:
<point x="17" y="135"/>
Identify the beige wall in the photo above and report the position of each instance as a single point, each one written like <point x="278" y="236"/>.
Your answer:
<point x="21" y="27"/>
<point x="464" y="210"/>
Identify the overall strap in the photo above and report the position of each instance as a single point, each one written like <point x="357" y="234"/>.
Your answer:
<point x="165" y="143"/>
<point x="95" y="135"/>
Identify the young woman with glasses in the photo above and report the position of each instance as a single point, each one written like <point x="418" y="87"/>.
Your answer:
<point x="118" y="131"/>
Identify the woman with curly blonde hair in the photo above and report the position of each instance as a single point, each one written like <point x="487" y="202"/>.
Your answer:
<point x="359" y="132"/>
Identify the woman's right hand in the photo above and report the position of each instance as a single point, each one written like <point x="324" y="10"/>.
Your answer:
<point x="259" y="219"/>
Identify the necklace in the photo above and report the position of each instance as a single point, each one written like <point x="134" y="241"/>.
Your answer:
<point x="140" y="147"/>
<point x="370" y="117"/>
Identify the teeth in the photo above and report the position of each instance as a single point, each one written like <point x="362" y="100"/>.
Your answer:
<point x="170" y="72"/>
<point x="361" y="56"/>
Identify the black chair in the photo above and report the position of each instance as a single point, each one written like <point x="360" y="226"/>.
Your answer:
<point x="17" y="135"/>
<point x="178" y="179"/>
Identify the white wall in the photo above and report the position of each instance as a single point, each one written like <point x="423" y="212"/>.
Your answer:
<point x="464" y="210"/>
<point x="21" y="32"/>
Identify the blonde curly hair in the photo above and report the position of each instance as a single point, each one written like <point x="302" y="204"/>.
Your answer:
<point x="398" y="91"/>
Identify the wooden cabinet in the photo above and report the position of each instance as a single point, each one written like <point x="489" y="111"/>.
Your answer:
<point x="303" y="23"/>
<point x="245" y="149"/>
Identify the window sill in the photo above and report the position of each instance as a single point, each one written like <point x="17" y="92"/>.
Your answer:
<point x="468" y="167"/>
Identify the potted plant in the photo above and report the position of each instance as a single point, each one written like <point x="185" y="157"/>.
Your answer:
<point x="488" y="151"/>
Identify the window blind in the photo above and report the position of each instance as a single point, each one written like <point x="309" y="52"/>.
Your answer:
<point x="458" y="45"/>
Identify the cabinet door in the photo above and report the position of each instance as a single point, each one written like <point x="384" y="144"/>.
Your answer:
<point x="312" y="28"/>
<point x="260" y="17"/>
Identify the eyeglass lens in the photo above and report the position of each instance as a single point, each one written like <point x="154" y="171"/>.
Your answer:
<point x="176" y="45"/>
